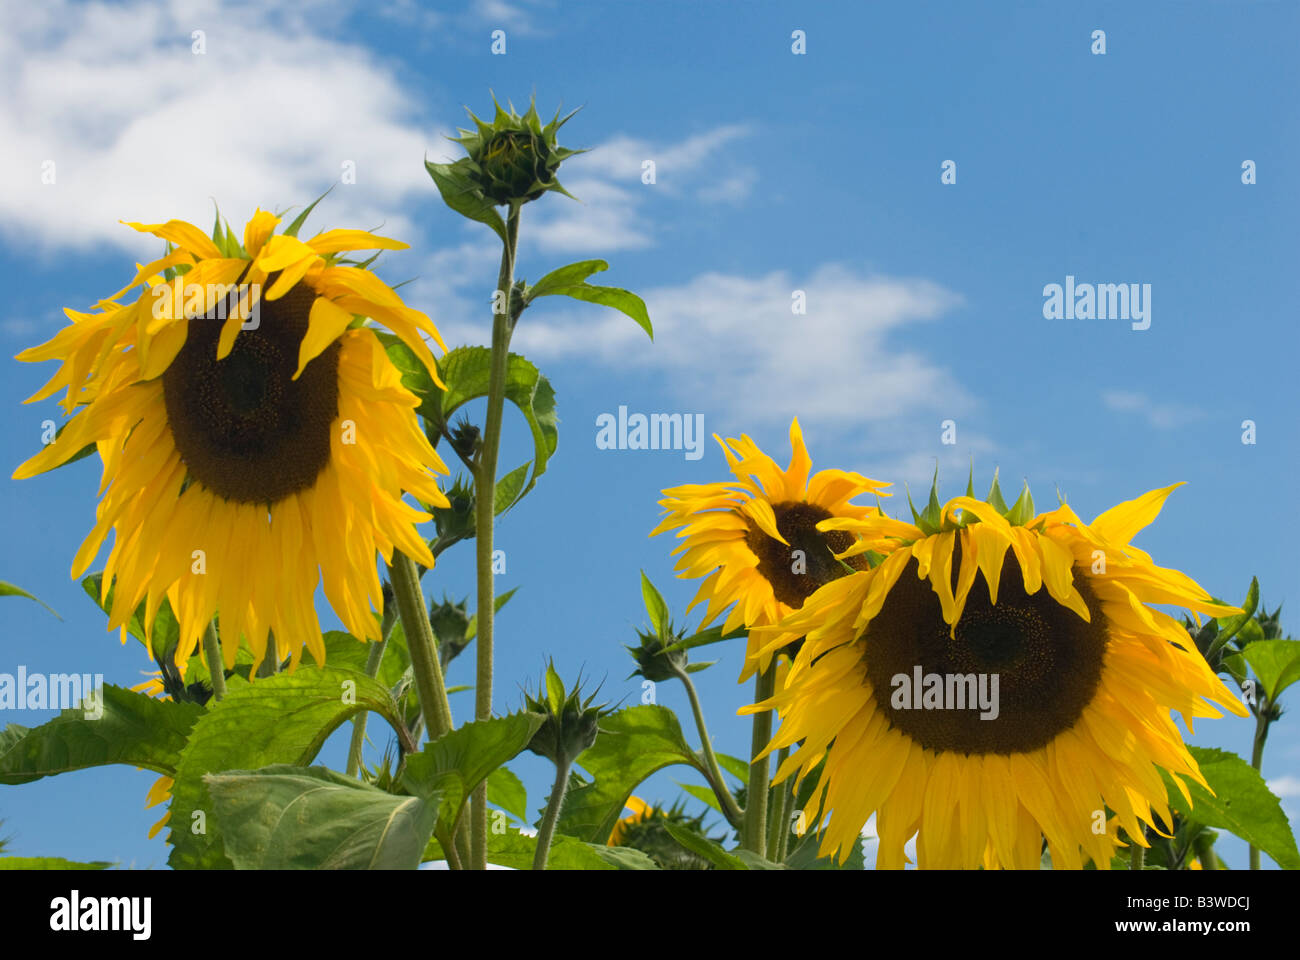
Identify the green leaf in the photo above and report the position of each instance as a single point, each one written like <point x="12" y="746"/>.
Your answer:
<point x="1242" y="804"/>
<point x="625" y="858"/>
<point x="135" y="729"/>
<point x="1229" y="627"/>
<point x="461" y="194"/>
<point x="284" y="718"/>
<point x="705" y="637"/>
<point x="513" y="849"/>
<point x="467" y="373"/>
<point x="804" y="856"/>
<point x="697" y="667"/>
<point x="456" y="763"/>
<point x="704" y="847"/>
<point x="734" y="765"/>
<point x="655" y="608"/>
<point x="702" y="793"/>
<point x="9" y="590"/>
<point x="1276" y="663"/>
<point x="570" y="281"/>
<point x="285" y="817"/>
<point x="509" y="489"/>
<point x="50" y="863"/>
<point x="633" y="743"/>
<point x="507" y="791"/>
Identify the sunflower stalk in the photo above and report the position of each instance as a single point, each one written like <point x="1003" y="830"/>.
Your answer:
<point x="216" y="667"/>
<point x="485" y="518"/>
<point x="419" y="639"/>
<point x="374" y="658"/>
<point x="779" y="827"/>
<point x="1262" y="720"/>
<point x="547" y="830"/>
<point x="730" y="809"/>
<point x="754" y="835"/>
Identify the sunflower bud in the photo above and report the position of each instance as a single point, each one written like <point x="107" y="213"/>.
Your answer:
<point x="514" y="159"/>
<point x="571" y="724"/>
<point x="450" y="622"/>
<point x="456" y="520"/>
<point x="654" y="660"/>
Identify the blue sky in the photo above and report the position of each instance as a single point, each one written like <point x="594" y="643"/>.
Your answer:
<point x="775" y="172"/>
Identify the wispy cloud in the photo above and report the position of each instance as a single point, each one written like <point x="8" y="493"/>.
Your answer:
<point x="253" y="120"/>
<point x="1162" y="416"/>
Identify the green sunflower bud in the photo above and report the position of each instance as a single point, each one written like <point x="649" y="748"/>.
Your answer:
<point x="514" y="159"/>
<point x="654" y="660"/>
<point x="571" y="724"/>
<point x="456" y="522"/>
<point x="450" y="622"/>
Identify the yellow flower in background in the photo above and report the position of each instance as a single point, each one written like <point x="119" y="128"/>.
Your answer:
<point x="256" y="439"/>
<point x="755" y="540"/>
<point x="1086" y="671"/>
<point x="640" y="812"/>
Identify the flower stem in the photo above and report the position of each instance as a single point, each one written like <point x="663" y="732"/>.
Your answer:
<point x="374" y="657"/>
<point x="485" y="517"/>
<point x="754" y="836"/>
<point x="779" y="827"/>
<point x="212" y="652"/>
<point x="1262" y="711"/>
<point x="730" y="809"/>
<point x="419" y="640"/>
<point x="547" y="829"/>
<point x="1138" y="856"/>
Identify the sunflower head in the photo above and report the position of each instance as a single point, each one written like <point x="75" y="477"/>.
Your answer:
<point x="995" y="678"/>
<point x="255" y="436"/>
<point x="514" y="159"/>
<point x="758" y="541"/>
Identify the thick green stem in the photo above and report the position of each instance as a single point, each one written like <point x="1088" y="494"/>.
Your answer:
<point x="730" y="809"/>
<point x="754" y="836"/>
<point x="1138" y="856"/>
<point x="217" y="668"/>
<point x="485" y="517"/>
<point x="1262" y="711"/>
<point x="419" y="640"/>
<point x="547" y="829"/>
<point x="779" y="827"/>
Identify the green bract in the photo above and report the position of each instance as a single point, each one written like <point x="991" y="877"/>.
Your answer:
<point x="514" y="159"/>
<point x="570" y="724"/>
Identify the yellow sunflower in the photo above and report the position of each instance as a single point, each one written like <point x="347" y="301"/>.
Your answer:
<point x="255" y="437"/>
<point x="641" y="811"/>
<point x="996" y="677"/>
<point x="756" y="539"/>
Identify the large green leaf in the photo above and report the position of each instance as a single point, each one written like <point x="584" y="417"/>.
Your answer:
<point x="454" y="764"/>
<point x="284" y="817"/>
<point x="704" y="847"/>
<point x="461" y="194"/>
<point x="1276" y="663"/>
<point x="135" y="729"/>
<point x="512" y="849"/>
<point x="284" y="718"/>
<point x="508" y="792"/>
<point x="571" y="281"/>
<point x="50" y="863"/>
<point x="625" y="858"/>
<point x="9" y="590"/>
<point x="467" y="373"/>
<point x="1241" y="803"/>
<point x="633" y="743"/>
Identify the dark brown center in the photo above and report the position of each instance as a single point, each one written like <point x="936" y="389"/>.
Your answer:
<point x="245" y="429"/>
<point x="1046" y="659"/>
<point x="796" y="571"/>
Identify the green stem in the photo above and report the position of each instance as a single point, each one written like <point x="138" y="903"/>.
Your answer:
<point x="754" y="836"/>
<point x="779" y="827"/>
<point x="1262" y="711"/>
<point x="419" y="640"/>
<point x="216" y="667"/>
<point x="730" y="809"/>
<point x="374" y="658"/>
<point x="485" y="517"/>
<point x="547" y="829"/>
<point x="1138" y="856"/>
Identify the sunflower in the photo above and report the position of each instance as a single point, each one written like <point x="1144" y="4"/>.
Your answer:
<point x="255" y="437"/>
<point x="1056" y="612"/>
<point x="757" y="538"/>
<point x="641" y="811"/>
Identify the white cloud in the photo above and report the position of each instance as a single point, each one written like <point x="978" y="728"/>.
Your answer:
<point x="139" y="127"/>
<point x="1162" y="416"/>
<point x="1287" y="785"/>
